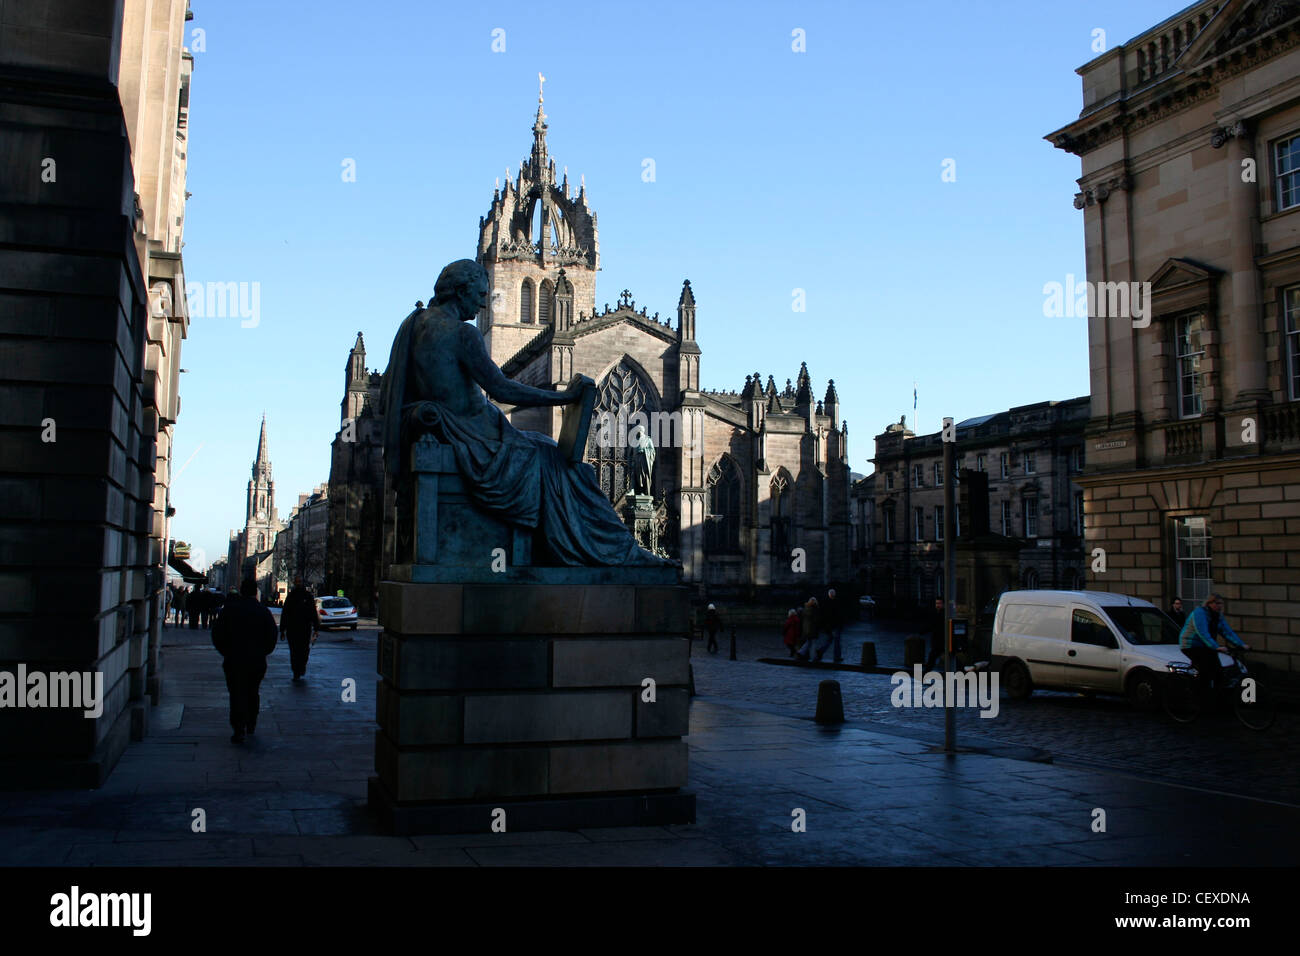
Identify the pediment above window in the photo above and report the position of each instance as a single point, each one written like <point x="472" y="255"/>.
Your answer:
<point x="1181" y="285"/>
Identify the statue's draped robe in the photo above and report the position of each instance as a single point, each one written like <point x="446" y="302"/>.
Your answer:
<point x="520" y="476"/>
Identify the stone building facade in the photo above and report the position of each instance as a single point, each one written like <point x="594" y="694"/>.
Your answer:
<point x="1190" y="146"/>
<point x="300" y="545"/>
<point x="354" y="543"/>
<point x="750" y="487"/>
<point x="94" y="124"/>
<point x="1026" y="461"/>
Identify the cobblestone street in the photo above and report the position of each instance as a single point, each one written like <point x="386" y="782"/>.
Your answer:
<point x="1215" y="753"/>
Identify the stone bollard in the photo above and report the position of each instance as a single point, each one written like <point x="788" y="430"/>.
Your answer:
<point x="913" y="651"/>
<point x="869" y="654"/>
<point x="830" y="705"/>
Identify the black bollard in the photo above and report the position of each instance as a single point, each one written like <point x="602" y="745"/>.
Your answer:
<point x="690" y="671"/>
<point x="733" y="642"/>
<point x="830" y="705"/>
<point x="869" y="654"/>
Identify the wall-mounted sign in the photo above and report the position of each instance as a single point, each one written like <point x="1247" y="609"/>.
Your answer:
<point x="1102" y="446"/>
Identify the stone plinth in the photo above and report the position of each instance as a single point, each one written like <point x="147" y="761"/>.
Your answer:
<point x="530" y="696"/>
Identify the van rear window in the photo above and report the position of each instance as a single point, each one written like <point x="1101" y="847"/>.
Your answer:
<point x="1143" y="625"/>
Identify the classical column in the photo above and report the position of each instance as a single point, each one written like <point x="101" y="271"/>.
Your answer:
<point x="1244" y="334"/>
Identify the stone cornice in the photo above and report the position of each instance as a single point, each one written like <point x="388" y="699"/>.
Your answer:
<point x="1213" y="469"/>
<point x="1173" y="91"/>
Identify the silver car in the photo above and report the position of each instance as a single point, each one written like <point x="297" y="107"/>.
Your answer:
<point x="336" y="612"/>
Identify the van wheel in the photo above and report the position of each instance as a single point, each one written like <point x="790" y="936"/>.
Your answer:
<point x="1142" y="690"/>
<point x="1015" y="678"/>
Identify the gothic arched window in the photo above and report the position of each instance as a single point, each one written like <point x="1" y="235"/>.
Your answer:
<point x="780" y="489"/>
<point x="620" y="395"/>
<point x="722" y="523"/>
<point x="544" y="302"/>
<point x="1031" y="579"/>
<point x="526" y="301"/>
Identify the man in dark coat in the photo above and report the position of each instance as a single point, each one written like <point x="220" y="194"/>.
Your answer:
<point x="830" y="623"/>
<point x="195" y="604"/>
<point x="300" y="623"/>
<point x="244" y="634"/>
<point x="1177" y="613"/>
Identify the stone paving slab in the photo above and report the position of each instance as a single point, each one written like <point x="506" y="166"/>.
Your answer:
<point x="864" y="795"/>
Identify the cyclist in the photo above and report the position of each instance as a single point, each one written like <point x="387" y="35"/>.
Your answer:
<point x="1202" y="633"/>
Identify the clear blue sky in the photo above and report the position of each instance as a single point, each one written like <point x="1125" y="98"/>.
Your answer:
<point x="775" y="170"/>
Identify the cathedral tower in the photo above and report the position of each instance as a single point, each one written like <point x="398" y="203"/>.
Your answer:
<point x="534" y="229"/>
<point x="358" y="381"/>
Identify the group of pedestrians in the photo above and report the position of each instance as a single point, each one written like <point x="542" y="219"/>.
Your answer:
<point x="808" y="633"/>
<point x="199" y="606"/>
<point x="245" y="633"/>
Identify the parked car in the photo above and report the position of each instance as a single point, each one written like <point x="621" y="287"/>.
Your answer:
<point x="336" y="612"/>
<point x="1090" y="641"/>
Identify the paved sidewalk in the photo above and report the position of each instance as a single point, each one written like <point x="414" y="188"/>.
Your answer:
<point x="295" y="795"/>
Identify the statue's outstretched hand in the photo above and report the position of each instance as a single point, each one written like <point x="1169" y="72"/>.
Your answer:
<point x="576" y="387"/>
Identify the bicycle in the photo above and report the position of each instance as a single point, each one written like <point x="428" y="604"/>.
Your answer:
<point x="1184" y="700"/>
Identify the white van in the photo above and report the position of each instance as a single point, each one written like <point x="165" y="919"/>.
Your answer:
<point x="1091" y="641"/>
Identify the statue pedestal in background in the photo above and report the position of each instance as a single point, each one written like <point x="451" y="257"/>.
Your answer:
<point x="640" y="514"/>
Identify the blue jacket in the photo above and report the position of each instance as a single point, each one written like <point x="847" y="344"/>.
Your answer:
<point x="1196" y="631"/>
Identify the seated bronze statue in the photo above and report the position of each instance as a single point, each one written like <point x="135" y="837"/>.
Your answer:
<point x="435" y="371"/>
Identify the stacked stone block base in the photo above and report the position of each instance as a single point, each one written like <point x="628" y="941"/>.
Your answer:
<point x="531" y="698"/>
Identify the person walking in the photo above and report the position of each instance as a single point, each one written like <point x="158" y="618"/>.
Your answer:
<point x="244" y="634"/>
<point x="181" y="603"/>
<point x="300" y="624"/>
<point x="712" y="624"/>
<point x="168" y="596"/>
<point x="195" y="602"/>
<point x="830" y="624"/>
<point x="807" y="629"/>
<point x="790" y="631"/>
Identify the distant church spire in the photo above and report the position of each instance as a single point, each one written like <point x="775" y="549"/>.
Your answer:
<point x="262" y="463"/>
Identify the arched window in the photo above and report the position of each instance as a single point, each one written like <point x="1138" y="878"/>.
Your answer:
<point x="1031" y="579"/>
<point x="620" y="395"/>
<point x="544" y="302"/>
<point x="938" y="583"/>
<point x="526" y="301"/>
<point x="722" y="523"/>
<point x="780" y="492"/>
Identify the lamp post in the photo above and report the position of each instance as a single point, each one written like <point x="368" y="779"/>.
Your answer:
<point x="949" y="583"/>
